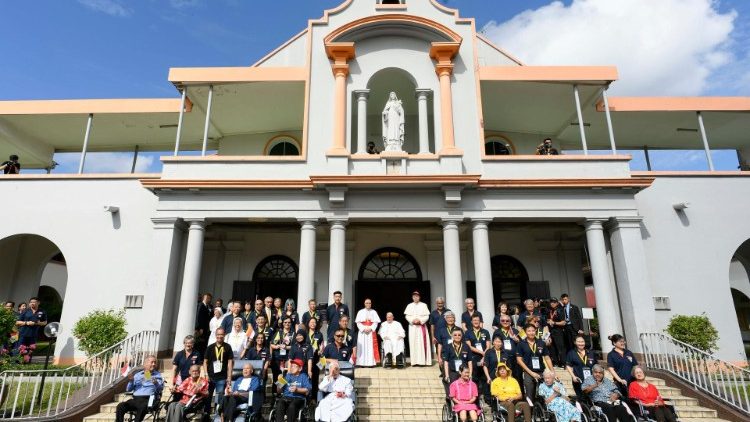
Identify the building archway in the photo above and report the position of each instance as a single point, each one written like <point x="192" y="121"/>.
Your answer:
<point x="33" y="266"/>
<point x="739" y="282"/>
<point x="388" y="276"/>
<point x="275" y="276"/>
<point x="510" y="280"/>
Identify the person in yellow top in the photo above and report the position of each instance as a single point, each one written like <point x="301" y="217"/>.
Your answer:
<point x="506" y="390"/>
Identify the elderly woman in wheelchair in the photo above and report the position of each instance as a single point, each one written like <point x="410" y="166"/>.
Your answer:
<point x="508" y="402"/>
<point x="648" y="404"/>
<point x="556" y="399"/>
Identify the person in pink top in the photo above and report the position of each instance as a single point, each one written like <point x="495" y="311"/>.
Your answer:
<point x="647" y="394"/>
<point x="465" y="395"/>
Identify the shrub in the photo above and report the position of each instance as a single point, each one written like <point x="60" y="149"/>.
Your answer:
<point x="695" y="330"/>
<point x="7" y="323"/>
<point x="99" y="330"/>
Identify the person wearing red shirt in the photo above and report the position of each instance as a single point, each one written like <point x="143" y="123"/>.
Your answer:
<point x="193" y="389"/>
<point x="647" y="394"/>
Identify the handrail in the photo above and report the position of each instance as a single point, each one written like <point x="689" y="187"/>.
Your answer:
<point x="36" y="394"/>
<point x="720" y="379"/>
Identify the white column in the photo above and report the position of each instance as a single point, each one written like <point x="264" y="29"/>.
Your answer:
<point x="362" y="95"/>
<point x="208" y="119"/>
<point x="85" y="143"/>
<point x="581" y="125"/>
<point x="606" y="307"/>
<point x="306" y="288"/>
<point x="483" y="269"/>
<point x="609" y="121"/>
<point x="337" y="256"/>
<point x="424" y="133"/>
<point x="179" y="121"/>
<point x="629" y="259"/>
<point x="167" y="246"/>
<point x="190" y="281"/>
<point x="705" y="142"/>
<point x="452" y="259"/>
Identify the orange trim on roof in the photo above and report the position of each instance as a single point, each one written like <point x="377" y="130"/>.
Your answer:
<point x="97" y="106"/>
<point x="458" y="179"/>
<point x="639" y="183"/>
<point x="203" y="75"/>
<point x="676" y="104"/>
<point x="392" y="17"/>
<point x="548" y="73"/>
<point x="226" y="184"/>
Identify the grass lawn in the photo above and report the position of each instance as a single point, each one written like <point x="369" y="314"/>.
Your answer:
<point x="26" y="393"/>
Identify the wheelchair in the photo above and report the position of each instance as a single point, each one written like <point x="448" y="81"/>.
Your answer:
<point x="305" y="414"/>
<point x="540" y="413"/>
<point x="152" y="411"/>
<point x="193" y="411"/>
<point x="500" y="414"/>
<point x="245" y="412"/>
<point x="450" y="416"/>
<point x="347" y="370"/>
<point x="642" y="413"/>
<point x="593" y="412"/>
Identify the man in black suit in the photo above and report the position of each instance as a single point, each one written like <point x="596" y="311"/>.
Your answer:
<point x="573" y="320"/>
<point x="202" y="318"/>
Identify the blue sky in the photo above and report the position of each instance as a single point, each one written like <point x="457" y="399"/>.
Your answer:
<point x="56" y="49"/>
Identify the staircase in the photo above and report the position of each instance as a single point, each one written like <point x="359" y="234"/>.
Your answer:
<point x="417" y="394"/>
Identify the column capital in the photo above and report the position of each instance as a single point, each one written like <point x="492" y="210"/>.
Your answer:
<point x="443" y="53"/>
<point x="167" y="223"/>
<point x="308" y="222"/>
<point x="625" y="222"/>
<point x="451" y="222"/>
<point x="196" y="223"/>
<point x="361" y="94"/>
<point x="422" y="93"/>
<point x="481" y="222"/>
<point x="340" y="53"/>
<point x="594" y="223"/>
<point x="337" y="222"/>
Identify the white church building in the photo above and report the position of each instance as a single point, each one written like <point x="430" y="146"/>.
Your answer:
<point x="267" y="186"/>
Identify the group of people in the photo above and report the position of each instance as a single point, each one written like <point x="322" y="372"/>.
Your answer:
<point x="30" y="320"/>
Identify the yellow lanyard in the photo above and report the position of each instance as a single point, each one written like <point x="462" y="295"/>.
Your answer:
<point x="532" y="347"/>
<point x="448" y="329"/>
<point x="313" y="341"/>
<point x="505" y="333"/>
<point x="278" y="336"/>
<point x="476" y="335"/>
<point x="498" y="354"/>
<point x="457" y="350"/>
<point x="584" y="358"/>
<point x="219" y="351"/>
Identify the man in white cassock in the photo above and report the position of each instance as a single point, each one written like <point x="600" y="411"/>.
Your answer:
<point x="393" y="336"/>
<point x="420" y="347"/>
<point x="338" y="405"/>
<point x="368" y="352"/>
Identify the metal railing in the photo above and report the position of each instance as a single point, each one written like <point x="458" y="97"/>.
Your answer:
<point x="720" y="379"/>
<point x="35" y="394"/>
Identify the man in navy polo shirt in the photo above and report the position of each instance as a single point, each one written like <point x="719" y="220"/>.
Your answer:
<point x="29" y="323"/>
<point x="336" y="349"/>
<point x="478" y="340"/>
<point x="184" y="359"/>
<point x="437" y="318"/>
<point x="334" y="312"/>
<point x="532" y="356"/>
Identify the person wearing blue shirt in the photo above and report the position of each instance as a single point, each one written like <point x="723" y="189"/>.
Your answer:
<point x="29" y="322"/>
<point x="437" y="318"/>
<point x="146" y="385"/>
<point x="228" y="322"/>
<point x="240" y="394"/>
<point x="621" y="362"/>
<point x="579" y="363"/>
<point x="478" y="340"/>
<point x="302" y="350"/>
<point x="532" y="356"/>
<point x="336" y="349"/>
<point x="293" y="392"/>
<point x="444" y="336"/>
<point x="257" y="311"/>
<point x="334" y="312"/>
<point x="184" y="359"/>
<point x="469" y="314"/>
<point x="312" y="313"/>
<point x="456" y="354"/>
<point x="530" y="311"/>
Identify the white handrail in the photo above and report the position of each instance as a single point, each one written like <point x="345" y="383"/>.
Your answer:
<point x="720" y="379"/>
<point x="64" y="390"/>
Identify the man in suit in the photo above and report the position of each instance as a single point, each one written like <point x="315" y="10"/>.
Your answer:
<point x="202" y="318"/>
<point x="573" y="321"/>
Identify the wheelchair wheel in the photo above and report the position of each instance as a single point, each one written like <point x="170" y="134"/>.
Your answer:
<point x="538" y="414"/>
<point x="447" y="414"/>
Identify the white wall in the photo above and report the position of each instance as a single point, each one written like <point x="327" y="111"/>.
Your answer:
<point x="55" y="275"/>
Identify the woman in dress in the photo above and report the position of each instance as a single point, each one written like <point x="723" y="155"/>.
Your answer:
<point x="465" y="396"/>
<point x="367" y="340"/>
<point x="557" y="400"/>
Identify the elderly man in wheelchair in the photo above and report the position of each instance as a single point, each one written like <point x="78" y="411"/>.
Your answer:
<point x="244" y="398"/>
<point x="605" y="397"/>
<point x="294" y="389"/>
<point x="336" y="403"/>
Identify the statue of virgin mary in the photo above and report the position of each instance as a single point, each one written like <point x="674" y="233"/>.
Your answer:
<point x="393" y="124"/>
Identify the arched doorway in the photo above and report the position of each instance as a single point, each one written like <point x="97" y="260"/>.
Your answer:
<point x="739" y="282"/>
<point x="509" y="280"/>
<point x="388" y="276"/>
<point x="275" y="276"/>
<point x="33" y="266"/>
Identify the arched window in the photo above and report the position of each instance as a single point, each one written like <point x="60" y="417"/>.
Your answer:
<point x="390" y="264"/>
<point x="282" y="145"/>
<point x="509" y="279"/>
<point x="498" y="145"/>
<point x="276" y="267"/>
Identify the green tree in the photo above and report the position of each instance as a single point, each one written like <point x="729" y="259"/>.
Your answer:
<point x="100" y="329"/>
<point x="7" y="322"/>
<point x="695" y="330"/>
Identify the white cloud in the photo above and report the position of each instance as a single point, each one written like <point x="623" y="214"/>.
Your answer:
<point x="665" y="47"/>
<point x="109" y="7"/>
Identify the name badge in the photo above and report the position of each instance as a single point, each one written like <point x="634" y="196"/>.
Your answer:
<point x="630" y="358"/>
<point x="250" y="398"/>
<point x="507" y="345"/>
<point x="151" y="400"/>
<point x="479" y="346"/>
<point x="586" y="373"/>
<point x="535" y="364"/>
<point x="282" y="351"/>
<point x="217" y="366"/>
<point x="457" y="364"/>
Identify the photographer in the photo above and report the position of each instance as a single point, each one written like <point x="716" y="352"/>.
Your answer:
<point x="546" y="148"/>
<point x="12" y="166"/>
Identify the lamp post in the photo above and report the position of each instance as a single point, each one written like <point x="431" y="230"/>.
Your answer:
<point x="51" y="331"/>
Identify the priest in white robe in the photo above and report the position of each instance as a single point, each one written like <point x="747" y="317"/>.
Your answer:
<point x="417" y="314"/>
<point x="368" y="352"/>
<point x="393" y="335"/>
<point x="338" y="405"/>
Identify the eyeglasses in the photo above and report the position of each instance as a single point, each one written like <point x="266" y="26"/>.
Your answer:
<point x="339" y="336"/>
<point x="504" y="320"/>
